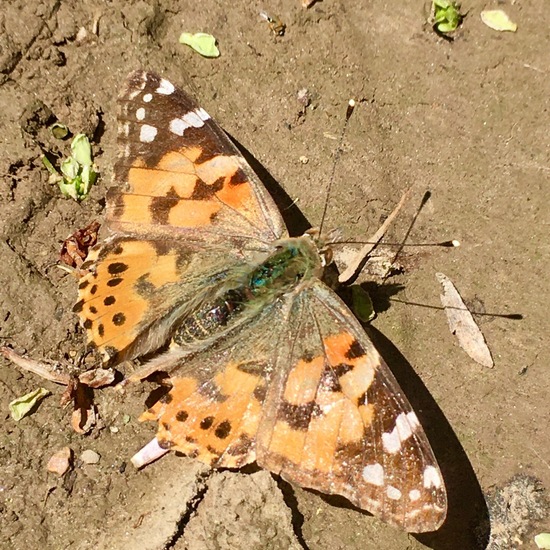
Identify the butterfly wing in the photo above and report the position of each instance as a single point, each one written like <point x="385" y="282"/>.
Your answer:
<point x="185" y="211"/>
<point x="336" y="420"/>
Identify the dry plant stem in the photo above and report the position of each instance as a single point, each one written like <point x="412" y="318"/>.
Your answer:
<point x="36" y="367"/>
<point x="351" y="270"/>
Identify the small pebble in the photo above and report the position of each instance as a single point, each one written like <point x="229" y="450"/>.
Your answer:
<point x="90" y="457"/>
<point x="304" y="159"/>
<point x="60" y="462"/>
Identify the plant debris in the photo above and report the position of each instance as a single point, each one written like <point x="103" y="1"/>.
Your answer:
<point x="498" y="20"/>
<point x="26" y="404"/>
<point x="78" y="173"/>
<point x="76" y="246"/>
<point x="462" y="324"/>
<point x="202" y="43"/>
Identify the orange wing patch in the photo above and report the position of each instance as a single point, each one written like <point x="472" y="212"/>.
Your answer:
<point x="114" y="296"/>
<point x="317" y="413"/>
<point x="216" y="421"/>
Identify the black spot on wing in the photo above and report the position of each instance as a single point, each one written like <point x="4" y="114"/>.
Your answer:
<point x="355" y="350"/>
<point x="298" y="417"/>
<point x="223" y="429"/>
<point x="116" y="268"/>
<point x="160" y="207"/>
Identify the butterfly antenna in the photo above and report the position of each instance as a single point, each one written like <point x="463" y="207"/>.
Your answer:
<point x="349" y="111"/>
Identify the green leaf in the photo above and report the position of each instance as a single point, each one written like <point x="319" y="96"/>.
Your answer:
<point x="22" y="406"/>
<point x="446" y="15"/>
<point x="362" y="304"/>
<point x="82" y="150"/>
<point x="59" y="131"/>
<point x="498" y="20"/>
<point x="202" y="43"/>
<point x="542" y="540"/>
<point x="70" y="168"/>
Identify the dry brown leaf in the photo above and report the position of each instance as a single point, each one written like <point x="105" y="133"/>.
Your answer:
<point x="462" y="324"/>
<point x="75" y="247"/>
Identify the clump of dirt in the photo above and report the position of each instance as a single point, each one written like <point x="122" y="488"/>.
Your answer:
<point x="515" y="509"/>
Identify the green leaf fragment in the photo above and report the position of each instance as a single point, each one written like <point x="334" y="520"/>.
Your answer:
<point x="202" y="43"/>
<point x="22" y="406"/>
<point x="82" y="150"/>
<point x="362" y="304"/>
<point x="498" y="20"/>
<point x="70" y="168"/>
<point x="59" y="131"/>
<point x="542" y="540"/>
<point x="446" y="15"/>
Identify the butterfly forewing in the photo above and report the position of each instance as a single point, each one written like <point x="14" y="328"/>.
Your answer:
<point x="179" y="175"/>
<point x="336" y="420"/>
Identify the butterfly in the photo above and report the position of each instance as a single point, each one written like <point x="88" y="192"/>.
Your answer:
<point x="266" y="363"/>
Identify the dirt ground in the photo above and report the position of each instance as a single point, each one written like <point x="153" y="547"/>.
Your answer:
<point x="467" y="120"/>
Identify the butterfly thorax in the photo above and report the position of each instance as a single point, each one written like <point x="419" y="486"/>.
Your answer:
<point x="294" y="261"/>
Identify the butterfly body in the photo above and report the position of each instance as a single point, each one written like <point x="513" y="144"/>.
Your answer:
<point x="265" y="362"/>
<point x="240" y="298"/>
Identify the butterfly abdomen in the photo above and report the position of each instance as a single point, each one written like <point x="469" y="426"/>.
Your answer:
<point x="293" y="261"/>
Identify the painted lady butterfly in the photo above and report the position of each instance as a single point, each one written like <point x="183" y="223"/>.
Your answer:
<point x="266" y="363"/>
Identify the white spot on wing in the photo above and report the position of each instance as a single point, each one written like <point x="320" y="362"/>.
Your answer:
<point x="147" y="98"/>
<point x="391" y="441"/>
<point x="403" y="427"/>
<point x="193" y="119"/>
<point x="178" y="126"/>
<point x="431" y="477"/>
<point x="413" y="420"/>
<point x="140" y="113"/>
<point x="147" y="133"/>
<point x="374" y="474"/>
<point x="414" y="495"/>
<point x="203" y="114"/>
<point x="165" y="87"/>
<point x="393" y="492"/>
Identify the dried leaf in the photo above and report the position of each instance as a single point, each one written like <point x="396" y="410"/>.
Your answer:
<point x="60" y="462"/>
<point x="25" y="405"/>
<point x="498" y="20"/>
<point x="75" y="247"/>
<point x="97" y="378"/>
<point x="462" y="324"/>
<point x="84" y="415"/>
<point x="542" y="540"/>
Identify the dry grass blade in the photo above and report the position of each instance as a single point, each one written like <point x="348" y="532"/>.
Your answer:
<point x="352" y="269"/>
